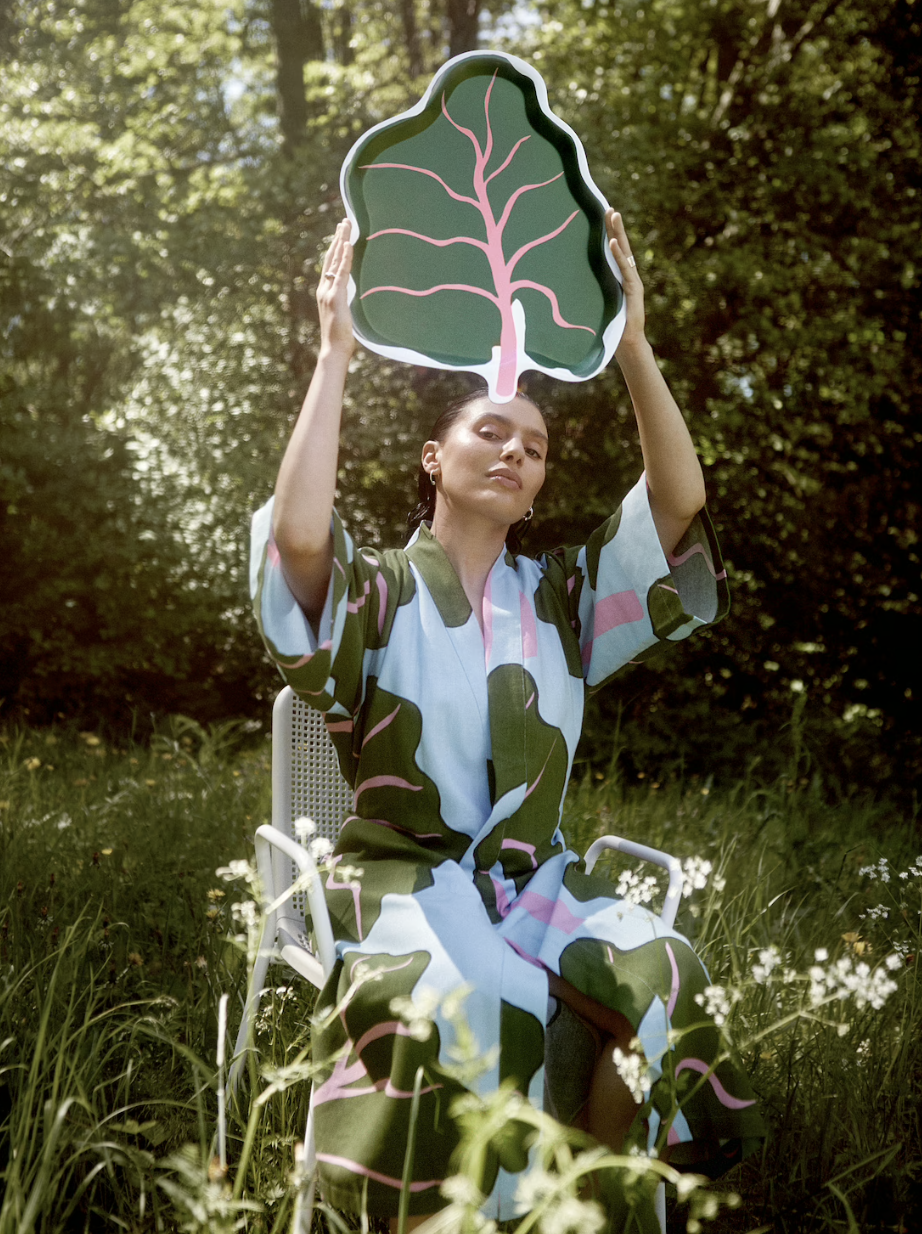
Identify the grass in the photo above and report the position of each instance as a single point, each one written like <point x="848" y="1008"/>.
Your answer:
<point x="115" y="951"/>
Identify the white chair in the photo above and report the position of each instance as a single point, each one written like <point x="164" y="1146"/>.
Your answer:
<point x="307" y="784"/>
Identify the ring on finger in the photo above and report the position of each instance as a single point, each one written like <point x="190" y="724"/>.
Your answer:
<point x="630" y="261"/>
<point x="329" y="276"/>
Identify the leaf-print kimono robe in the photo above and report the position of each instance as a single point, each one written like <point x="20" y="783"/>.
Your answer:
<point x="459" y="746"/>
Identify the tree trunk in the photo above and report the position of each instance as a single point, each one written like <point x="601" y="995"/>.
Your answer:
<point x="462" y="25"/>
<point x="298" y="39"/>
<point x="411" y="36"/>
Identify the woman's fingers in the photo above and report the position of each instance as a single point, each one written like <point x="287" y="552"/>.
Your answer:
<point x="630" y="278"/>
<point x="620" y="245"/>
<point x="333" y="289"/>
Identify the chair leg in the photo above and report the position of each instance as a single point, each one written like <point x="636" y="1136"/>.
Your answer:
<point x="254" y="993"/>
<point x="307" y="1185"/>
<point x="659" y="1206"/>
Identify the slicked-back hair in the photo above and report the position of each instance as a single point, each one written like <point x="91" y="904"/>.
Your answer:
<point x="424" y="511"/>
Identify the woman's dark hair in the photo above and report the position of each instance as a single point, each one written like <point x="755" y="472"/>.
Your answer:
<point x="424" y="511"/>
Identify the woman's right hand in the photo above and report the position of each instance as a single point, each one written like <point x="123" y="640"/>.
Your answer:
<point x="333" y="294"/>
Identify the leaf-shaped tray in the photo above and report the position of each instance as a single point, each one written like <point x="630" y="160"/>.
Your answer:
<point x="479" y="234"/>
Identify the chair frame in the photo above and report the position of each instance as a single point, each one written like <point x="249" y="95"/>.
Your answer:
<point x="290" y="881"/>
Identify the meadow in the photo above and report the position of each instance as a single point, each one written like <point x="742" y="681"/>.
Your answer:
<point x="118" y="939"/>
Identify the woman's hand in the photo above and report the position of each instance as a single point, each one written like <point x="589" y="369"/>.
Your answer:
<point x="630" y="278"/>
<point x="333" y="294"/>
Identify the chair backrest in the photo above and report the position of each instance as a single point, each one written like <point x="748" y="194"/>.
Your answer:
<point x="306" y="780"/>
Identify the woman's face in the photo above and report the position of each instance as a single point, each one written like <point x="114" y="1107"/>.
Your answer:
<point x="492" y="460"/>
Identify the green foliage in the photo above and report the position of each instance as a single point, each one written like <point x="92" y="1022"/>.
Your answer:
<point x="163" y="211"/>
<point x="766" y="162"/>
<point x="114" y="957"/>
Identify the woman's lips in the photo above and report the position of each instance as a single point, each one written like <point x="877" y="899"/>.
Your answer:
<point x="505" y="479"/>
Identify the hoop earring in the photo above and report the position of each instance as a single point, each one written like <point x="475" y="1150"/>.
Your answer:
<point x="432" y="475"/>
<point x="528" y="516"/>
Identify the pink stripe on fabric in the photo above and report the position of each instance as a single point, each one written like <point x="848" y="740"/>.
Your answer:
<point x="487" y="613"/>
<point x="353" y="606"/>
<point x="523" y="954"/>
<point x="272" y="553"/>
<point x="355" y="888"/>
<point x="696" y="1064"/>
<point x="674" y="991"/>
<point x="663" y="587"/>
<point x="340" y="726"/>
<point x="417" y="835"/>
<point x="355" y="1168"/>
<point x="502" y="900"/>
<point x="551" y="912"/>
<point x="529" y="630"/>
<point x="523" y="847"/>
<point x="385" y="782"/>
<point x="382" y="601"/>
<point x="380" y="726"/>
<point x="571" y="583"/>
<point x="530" y="700"/>
<point x="695" y="548"/>
<point x="531" y="789"/>
<point x="619" y="609"/>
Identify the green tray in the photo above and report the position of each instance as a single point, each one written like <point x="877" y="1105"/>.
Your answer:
<point x="479" y="234"/>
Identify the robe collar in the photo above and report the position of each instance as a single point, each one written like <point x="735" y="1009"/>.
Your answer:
<point x="430" y="558"/>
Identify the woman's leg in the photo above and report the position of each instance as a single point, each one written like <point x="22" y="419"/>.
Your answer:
<point x="610" y="1108"/>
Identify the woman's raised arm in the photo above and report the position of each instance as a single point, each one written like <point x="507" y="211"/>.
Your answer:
<point x="674" y="474"/>
<point x="306" y="483"/>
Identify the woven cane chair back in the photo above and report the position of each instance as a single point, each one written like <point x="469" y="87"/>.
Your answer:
<point x="306" y="780"/>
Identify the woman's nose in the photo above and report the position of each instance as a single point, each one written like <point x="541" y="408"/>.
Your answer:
<point x="513" y="449"/>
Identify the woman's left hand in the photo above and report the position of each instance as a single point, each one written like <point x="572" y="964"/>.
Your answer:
<point x="633" y="288"/>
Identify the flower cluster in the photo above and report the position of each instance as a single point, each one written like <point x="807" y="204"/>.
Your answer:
<point x="632" y="1068"/>
<point x="417" y="1012"/>
<point x="563" y="1211"/>
<point x="880" y="871"/>
<point x="845" y="979"/>
<point x="636" y="890"/>
<point x="718" y="1001"/>
<point x="696" y="871"/>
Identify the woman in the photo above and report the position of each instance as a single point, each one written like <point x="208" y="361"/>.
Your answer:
<point x="453" y="675"/>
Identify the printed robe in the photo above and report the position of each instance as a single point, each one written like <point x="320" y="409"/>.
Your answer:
<point x="459" y="746"/>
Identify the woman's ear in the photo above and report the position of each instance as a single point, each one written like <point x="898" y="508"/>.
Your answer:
<point x="430" y="457"/>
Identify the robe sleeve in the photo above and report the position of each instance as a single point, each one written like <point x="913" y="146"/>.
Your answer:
<point x="325" y="668"/>
<point x="624" y="598"/>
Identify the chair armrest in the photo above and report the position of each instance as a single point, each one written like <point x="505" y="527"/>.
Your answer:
<point x="644" y="853"/>
<point x="271" y="837"/>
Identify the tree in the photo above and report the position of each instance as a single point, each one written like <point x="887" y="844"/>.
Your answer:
<point x="767" y="161"/>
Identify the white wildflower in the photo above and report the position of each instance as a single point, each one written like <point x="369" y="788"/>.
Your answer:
<point x="235" y="870"/>
<point x="718" y="1001"/>
<point x="460" y="1189"/>
<point x="320" y="848"/>
<point x="893" y="962"/>
<point x="417" y="1012"/>
<point x="634" y="889"/>
<point x="879" y="912"/>
<point x="533" y="1187"/>
<point x="633" y="1071"/>
<point x="821" y="955"/>
<point x="845" y="979"/>
<point x="245" y="913"/>
<point x="696" y="871"/>
<point x="304" y="827"/>
<point x="881" y="871"/>
<point x="718" y="882"/>
<point x="580" y="1216"/>
<point x="769" y="959"/>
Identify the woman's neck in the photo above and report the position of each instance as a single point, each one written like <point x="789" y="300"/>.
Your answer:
<point x="472" y="551"/>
